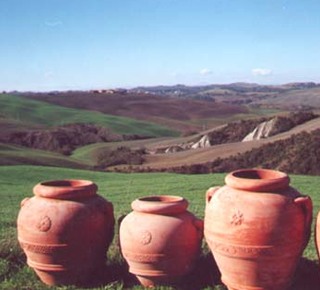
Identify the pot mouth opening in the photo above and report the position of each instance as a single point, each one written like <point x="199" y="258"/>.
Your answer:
<point x="162" y="198"/>
<point x="259" y="174"/>
<point x="160" y="204"/>
<point x="262" y="180"/>
<point x="66" y="183"/>
<point x="70" y="189"/>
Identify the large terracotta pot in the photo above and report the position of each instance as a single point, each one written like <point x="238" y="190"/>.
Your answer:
<point x="160" y="239"/>
<point x="257" y="227"/>
<point x="65" y="230"/>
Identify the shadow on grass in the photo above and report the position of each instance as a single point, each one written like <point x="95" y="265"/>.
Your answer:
<point x="307" y="276"/>
<point x="205" y="274"/>
<point x="115" y="274"/>
<point x="12" y="258"/>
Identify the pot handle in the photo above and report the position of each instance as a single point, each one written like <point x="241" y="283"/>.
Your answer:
<point x="23" y="202"/>
<point x="120" y="219"/>
<point x="210" y="192"/>
<point x="305" y="203"/>
<point x="198" y="223"/>
<point x="317" y="234"/>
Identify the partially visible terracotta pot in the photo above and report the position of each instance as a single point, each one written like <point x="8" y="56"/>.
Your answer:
<point x="65" y="230"/>
<point x="160" y="239"/>
<point x="317" y="234"/>
<point x="257" y="227"/>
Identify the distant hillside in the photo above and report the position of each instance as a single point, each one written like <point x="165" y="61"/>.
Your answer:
<point x="185" y="158"/>
<point x="63" y="139"/>
<point x="288" y="96"/>
<point x="296" y="97"/>
<point x="243" y="130"/>
<point x="96" y="128"/>
<point x="15" y="155"/>
<point x="179" y="114"/>
<point x="299" y="154"/>
<point x="39" y="113"/>
<point x="237" y="131"/>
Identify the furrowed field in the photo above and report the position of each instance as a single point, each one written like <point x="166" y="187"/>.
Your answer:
<point x="17" y="183"/>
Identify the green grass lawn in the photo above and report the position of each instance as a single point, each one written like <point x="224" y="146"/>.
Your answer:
<point x="31" y="111"/>
<point x="17" y="183"/>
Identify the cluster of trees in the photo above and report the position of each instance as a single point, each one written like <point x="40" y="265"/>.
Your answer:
<point x="120" y="156"/>
<point x="64" y="139"/>
<point x="285" y="123"/>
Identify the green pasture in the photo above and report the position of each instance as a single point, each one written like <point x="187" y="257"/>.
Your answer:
<point x="17" y="183"/>
<point x="90" y="153"/>
<point x="35" y="112"/>
<point x="15" y="155"/>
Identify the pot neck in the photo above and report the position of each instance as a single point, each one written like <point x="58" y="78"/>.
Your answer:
<point x="71" y="189"/>
<point x="160" y="204"/>
<point x="261" y="180"/>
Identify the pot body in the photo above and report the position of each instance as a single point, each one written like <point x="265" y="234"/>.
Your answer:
<point x="257" y="227"/>
<point x="160" y="239"/>
<point x="65" y="230"/>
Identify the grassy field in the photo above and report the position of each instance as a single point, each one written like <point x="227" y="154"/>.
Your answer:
<point x="31" y="111"/>
<point x="17" y="183"/>
<point x="90" y="153"/>
<point x="15" y="155"/>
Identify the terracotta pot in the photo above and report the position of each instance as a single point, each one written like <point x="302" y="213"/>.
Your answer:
<point x="160" y="239"/>
<point x="317" y="234"/>
<point x="65" y="230"/>
<point x="257" y="227"/>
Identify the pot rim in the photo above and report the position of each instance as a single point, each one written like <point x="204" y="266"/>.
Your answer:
<point x="160" y="204"/>
<point x="65" y="189"/>
<point x="257" y="179"/>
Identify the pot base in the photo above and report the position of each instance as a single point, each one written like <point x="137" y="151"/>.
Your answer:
<point x="151" y="282"/>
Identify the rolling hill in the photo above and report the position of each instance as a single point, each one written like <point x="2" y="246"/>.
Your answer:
<point x="38" y="113"/>
<point x="35" y="125"/>
<point x="174" y="161"/>
<point x="44" y="112"/>
<point x="16" y="155"/>
<point x="289" y="96"/>
<point x="179" y="114"/>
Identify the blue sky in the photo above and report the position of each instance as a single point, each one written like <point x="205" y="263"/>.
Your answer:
<point x="86" y="44"/>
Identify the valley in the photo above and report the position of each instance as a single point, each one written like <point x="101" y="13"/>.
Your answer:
<point x="179" y="128"/>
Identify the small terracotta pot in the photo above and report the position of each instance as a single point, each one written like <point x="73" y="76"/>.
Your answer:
<point x="257" y="227"/>
<point x="160" y="239"/>
<point x="65" y="230"/>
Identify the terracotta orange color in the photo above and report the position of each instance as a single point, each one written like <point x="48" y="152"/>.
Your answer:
<point x="317" y="234"/>
<point x="65" y="230"/>
<point x="160" y="239"/>
<point x="257" y="227"/>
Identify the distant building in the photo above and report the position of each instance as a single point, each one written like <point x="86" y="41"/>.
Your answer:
<point x="110" y="92"/>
